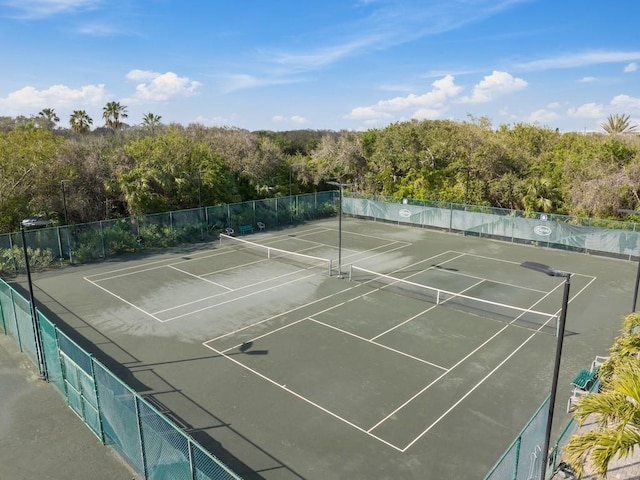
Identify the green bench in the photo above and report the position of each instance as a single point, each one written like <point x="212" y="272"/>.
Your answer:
<point x="245" y="229"/>
<point x="584" y="379"/>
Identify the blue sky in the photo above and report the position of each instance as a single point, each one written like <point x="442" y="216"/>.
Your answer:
<point x="334" y="64"/>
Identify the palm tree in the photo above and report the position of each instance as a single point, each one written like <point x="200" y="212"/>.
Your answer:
<point x="112" y="113"/>
<point x="618" y="124"/>
<point x="80" y="122"/>
<point x="48" y="117"/>
<point x="616" y="408"/>
<point x="151" y="121"/>
<point x="541" y="195"/>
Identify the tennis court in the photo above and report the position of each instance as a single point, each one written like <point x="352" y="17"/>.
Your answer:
<point x="423" y="359"/>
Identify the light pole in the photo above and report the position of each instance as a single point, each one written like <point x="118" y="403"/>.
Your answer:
<point x="635" y="290"/>
<point x="64" y="201"/>
<point x="34" y="314"/>
<point x="340" y="185"/>
<point x="552" y="272"/>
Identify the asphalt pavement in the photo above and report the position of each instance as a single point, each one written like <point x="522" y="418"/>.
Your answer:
<point x="40" y="436"/>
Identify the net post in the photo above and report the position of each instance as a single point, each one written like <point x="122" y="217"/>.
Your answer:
<point x="350" y="272"/>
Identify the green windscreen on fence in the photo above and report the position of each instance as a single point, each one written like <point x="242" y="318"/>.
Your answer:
<point x="90" y="242"/>
<point x="522" y="460"/>
<point x="511" y="225"/>
<point x="149" y="441"/>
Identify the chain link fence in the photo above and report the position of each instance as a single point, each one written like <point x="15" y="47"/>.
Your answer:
<point x="149" y="441"/>
<point x="96" y="241"/>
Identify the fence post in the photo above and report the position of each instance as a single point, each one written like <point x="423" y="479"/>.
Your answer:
<point x="95" y="393"/>
<point x="516" y="463"/>
<point x="15" y="320"/>
<point x="15" y="262"/>
<point x="60" y="252"/>
<point x="104" y="250"/>
<point x="145" y="470"/>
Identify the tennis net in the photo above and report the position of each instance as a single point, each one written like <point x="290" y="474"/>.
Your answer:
<point x="531" y="319"/>
<point x="284" y="256"/>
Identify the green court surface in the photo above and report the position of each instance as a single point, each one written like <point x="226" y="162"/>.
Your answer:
<point x="285" y="372"/>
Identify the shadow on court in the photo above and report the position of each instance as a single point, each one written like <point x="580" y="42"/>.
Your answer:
<point x="345" y="380"/>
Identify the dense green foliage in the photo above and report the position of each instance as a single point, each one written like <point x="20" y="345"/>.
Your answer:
<point x="117" y="170"/>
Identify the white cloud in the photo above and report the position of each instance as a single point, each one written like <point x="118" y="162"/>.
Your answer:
<point x="46" y="8"/>
<point x="366" y="113"/>
<point x="426" y="104"/>
<point x="159" y="87"/>
<point x="495" y="85"/>
<point x="579" y="60"/>
<point x="631" y="67"/>
<point x="56" y="96"/>
<point x="236" y="82"/>
<point x="141" y="75"/>
<point x="587" y="79"/>
<point x="427" y="114"/>
<point x="294" y="119"/>
<point x="625" y="102"/>
<point x="543" y="116"/>
<point x="215" y="121"/>
<point x="588" y="110"/>
<point x="98" y="30"/>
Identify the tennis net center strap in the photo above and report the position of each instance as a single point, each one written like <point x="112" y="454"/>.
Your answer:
<point x="546" y="322"/>
<point x="284" y="256"/>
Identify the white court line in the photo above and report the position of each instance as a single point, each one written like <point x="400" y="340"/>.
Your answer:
<point x="281" y="314"/>
<point x="297" y="395"/>
<point x="243" y="287"/>
<point x="123" y="300"/>
<point x="495" y="281"/>
<point x="462" y="254"/>
<point x="497" y="367"/>
<point x="124" y="269"/>
<point x="356" y="252"/>
<point x="386" y="239"/>
<point x="386" y="347"/>
<point x="377" y="254"/>
<point x="231" y="300"/>
<point x="368" y="432"/>
<point x="200" y="278"/>
<point x="458" y="363"/>
<point x="157" y="267"/>
<point x="513" y="262"/>
<point x="142" y="270"/>
<point x="356" y="285"/>
<point x="235" y="267"/>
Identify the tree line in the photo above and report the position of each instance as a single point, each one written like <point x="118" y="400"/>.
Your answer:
<point x="119" y="170"/>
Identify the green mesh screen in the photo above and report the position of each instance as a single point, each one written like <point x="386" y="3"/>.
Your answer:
<point x="115" y="413"/>
<point x="207" y="467"/>
<point x="119" y="416"/>
<point x="25" y="327"/>
<point x="523" y="459"/>
<point x="79" y="382"/>
<point x="8" y="312"/>
<point x="51" y="353"/>
<point x="166" y="449"/>
<point x="533" y="228"/>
